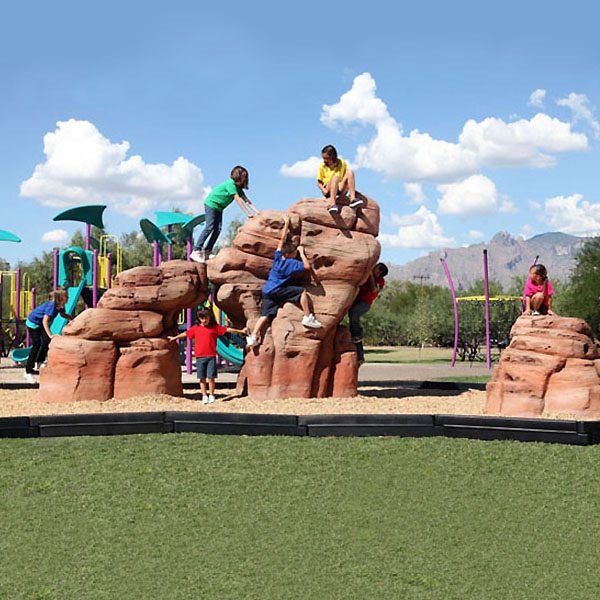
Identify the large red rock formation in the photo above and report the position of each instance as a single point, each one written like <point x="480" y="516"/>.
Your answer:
<point x="294" y="361"/>
<point x="552" y="365"/>
<point x="116" y="350"/>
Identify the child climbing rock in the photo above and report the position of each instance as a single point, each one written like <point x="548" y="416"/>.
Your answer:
<point x="215" y="203"/>
<point x="335" y="179"/>
<point x="205" y="335"/>
<point x="538" y="292"/>
<point x="366" y="296"/>
<point x="278" y="290"/>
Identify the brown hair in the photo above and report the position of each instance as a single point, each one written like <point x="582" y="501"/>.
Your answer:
<point x="207" y="312"/>
<point x="240" y="176"/>
<point x="289" y="248"/>
<point x="540" y="270"/>
<point x="59" y="297"/>
<point x="330" y="151"/>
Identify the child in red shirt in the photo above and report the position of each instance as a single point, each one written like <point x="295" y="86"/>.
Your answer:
<point x="205" y="335"/>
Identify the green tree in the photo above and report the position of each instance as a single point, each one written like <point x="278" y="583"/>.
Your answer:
<point x="581" y="297"/>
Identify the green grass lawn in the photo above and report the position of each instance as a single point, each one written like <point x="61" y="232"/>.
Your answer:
<point x="407" y="354"/>
<point x="465" y="379"/>
<point x="192" y="516"/>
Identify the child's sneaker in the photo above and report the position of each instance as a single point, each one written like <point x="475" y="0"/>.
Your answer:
<point x="534" y="313"/>
<point x="334" y="208"/>
<point x="356" y="203"/>
<point x="198" y="256"/>
<point x="29" y="378"/>
<point x="205" y="399"/>
<point x="211" y="399"/>
<point x="251" y="341"/>
<point x="310" y="321"/>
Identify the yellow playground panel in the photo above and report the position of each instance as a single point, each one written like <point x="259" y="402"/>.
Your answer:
<point x="25" y="294"/>
<point x="103" y="259"/>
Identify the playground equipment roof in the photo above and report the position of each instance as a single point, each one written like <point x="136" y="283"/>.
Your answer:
<point x="90" y="214"/>
<point x="7" y="236"/>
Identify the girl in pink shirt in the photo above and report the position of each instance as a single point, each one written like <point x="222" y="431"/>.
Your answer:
<point x="538" y="292"/>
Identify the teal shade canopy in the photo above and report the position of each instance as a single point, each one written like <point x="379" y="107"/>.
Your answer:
<point x="7" y="236"/>
<point x="164" y="219"/>
<point x="188" y="227"/>
<point x="152" y="233"/>
<point x="91" y="214"/>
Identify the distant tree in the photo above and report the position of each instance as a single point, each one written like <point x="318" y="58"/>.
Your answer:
<point x="581" y="297"/>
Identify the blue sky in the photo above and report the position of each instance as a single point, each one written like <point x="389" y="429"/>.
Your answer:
<point x="461" y="119"/>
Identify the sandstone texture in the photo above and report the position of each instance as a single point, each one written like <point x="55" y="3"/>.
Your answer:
<point x="552" y="365"/>
<point x="292" y="360"/>
<point x="120" y="348"/>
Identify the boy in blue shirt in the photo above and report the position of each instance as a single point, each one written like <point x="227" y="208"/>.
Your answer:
<point x="277" y="290"/>
<point x="38" y="323"/>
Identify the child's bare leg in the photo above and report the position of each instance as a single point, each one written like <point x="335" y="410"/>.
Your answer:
<point x="537" y="300"/>
<point x="349" y="185"/>
<point x="211" y="386"/>
<point x="334" y="188"/>
<point x="306" y="303"/>
<point x="257" y="332"/>
<point x="203" y="387"/>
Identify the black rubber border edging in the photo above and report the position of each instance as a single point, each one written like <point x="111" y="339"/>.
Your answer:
<point x="581" y="433"/>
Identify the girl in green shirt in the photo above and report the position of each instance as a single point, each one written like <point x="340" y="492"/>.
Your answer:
<point x="217" y="200"/>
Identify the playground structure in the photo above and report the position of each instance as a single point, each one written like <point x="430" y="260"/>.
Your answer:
<point x="17" y="298"/>
<point x="84" y="272"/>
<point x="469" y="346"/>
<point x="229" y="347"/>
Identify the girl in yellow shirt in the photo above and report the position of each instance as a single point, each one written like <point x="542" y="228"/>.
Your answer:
<point x="336" y="179"/>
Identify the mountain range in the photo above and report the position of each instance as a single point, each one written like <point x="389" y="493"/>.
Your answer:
<point x="507" y="257"/>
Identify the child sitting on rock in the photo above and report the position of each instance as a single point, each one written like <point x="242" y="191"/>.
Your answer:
<point x="215" y="203"/>
<point x="336" y="179"/>
<point x="205" y="335"/>
<point x="538" y="292"/>
<point x="277" y="290"/>
<point x="38" y="324"/>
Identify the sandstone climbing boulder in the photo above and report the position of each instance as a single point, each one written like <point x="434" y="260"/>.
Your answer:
<point x="294" y="361"/>
<point x="78" y="369"/>
<point x="550" y="367"/>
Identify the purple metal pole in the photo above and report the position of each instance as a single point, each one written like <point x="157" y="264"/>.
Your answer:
<point x="88" y="235"/>
<point x="95" y="279"/>
<point x="486" y="290"/>
<point x="155" y="255"/>
<point x="17" y="305"/>
<point x="188" y="315"/>
<point x="109" y="270"/>
<point x="55" y="272"/>
<point x="455" y="305"/>
<point x="169" y="247"/>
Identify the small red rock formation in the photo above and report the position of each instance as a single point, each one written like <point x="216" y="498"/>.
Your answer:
<point x="294" y="361"/>
<point x="117" y="349"/>
<point x="552" y="365"/>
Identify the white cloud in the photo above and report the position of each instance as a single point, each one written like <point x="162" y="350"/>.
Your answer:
<point x="522" y="143"/>
<point x="415" y="192"/>
<point x="420" y="157"/>
<point x="534" y="205"/>
<point x="55" y="236"/>
<point x="475" y="195"/>
<point x="474" y="234"/>
<point x="419" y="230"/>
<point x="572" y="214"/>
<point x="581" y="109"/>
<point x="507" y="205"/>
<point x="537" y="97"/>
<point x="302" y="168"/>
<point x="83" y="166"/>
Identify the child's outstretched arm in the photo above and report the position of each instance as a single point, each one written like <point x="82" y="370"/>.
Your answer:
<point x="527" y="305"/>
<point x="550" y="311"/>
<point x="172" y="338"/>
<point x="307" y="264"/>
<point x="284" y="232"/>
<point x="242" y="200"/>
<point x="244" y="331"/>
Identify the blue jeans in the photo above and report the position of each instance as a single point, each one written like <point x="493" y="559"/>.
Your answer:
<point x="206" y="367"/>
<point x="212" y="229"/>
<point x="357" y="310"/>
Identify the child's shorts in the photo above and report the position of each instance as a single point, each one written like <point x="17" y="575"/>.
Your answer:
<point x="272" y="302"/>
<point x="206" y="367"/>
